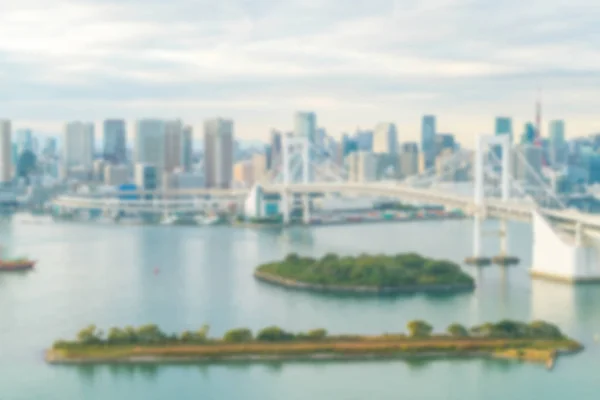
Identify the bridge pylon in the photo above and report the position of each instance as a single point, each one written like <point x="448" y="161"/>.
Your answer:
<point x="482" y="144"/>
<point x="298" y="146"/>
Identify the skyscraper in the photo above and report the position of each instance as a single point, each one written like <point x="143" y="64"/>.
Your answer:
<point x="115" y="139"/>
<point x="385" y="138"/>
<point x="305" y="124"/>
<point x="503" y="126"/>
<point x="275" y="146"/>
<point x="24" y="140"/>
<point x="173" y="145"/>
<point x="428" y="132"/>
<point x="150" y="144"/>
<point x="218" y="153"/>
<point x="5" y="152"/>
<point x="79" y="145"/>
<point x="558" y="147"/>
<point x="187" y="148"/>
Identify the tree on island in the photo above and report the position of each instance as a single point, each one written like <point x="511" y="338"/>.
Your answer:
<point x="419" y="328"/>
<point x="90" y="335"/>
<point x="457" y="330"/>
<point x="238" y="335"/>
<point x="274" y="334"/>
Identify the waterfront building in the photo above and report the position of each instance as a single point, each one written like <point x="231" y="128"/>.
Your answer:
<point x="385" y="138"/>
<point x="150" y="144"/>
<point x="428" y="133"/>
<point x="146" y="176"/>
<point x="6" y="164"/>
<point x="218" y="152"/>
<point x="115" y="139"/>
<point x="116" y="175"/>
<point x="79" y="145"/>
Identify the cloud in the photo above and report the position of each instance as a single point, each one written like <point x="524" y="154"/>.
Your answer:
<point x="259" y="60"/>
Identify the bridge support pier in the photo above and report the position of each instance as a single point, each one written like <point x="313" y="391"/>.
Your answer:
<point x="285" y="207"/>
<point x="306" y="209"/>
<point x="503" y="258"/>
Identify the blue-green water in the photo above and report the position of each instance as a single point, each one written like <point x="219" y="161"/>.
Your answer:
<point x="104" y="275"/>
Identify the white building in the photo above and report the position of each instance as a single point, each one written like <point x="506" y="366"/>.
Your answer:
<point x="5" y="152"/>
<point x="79" y="145"/>
<point x="218" y="152"/>
<point x="385" y="138"/>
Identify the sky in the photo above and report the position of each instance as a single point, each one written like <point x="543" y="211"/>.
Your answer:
<point x="354" y="63"/>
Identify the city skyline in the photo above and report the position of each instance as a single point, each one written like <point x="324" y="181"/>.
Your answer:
<point x="258" y="63"/>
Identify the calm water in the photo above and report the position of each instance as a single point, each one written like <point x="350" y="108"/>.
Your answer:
<point x="104" y="275"/>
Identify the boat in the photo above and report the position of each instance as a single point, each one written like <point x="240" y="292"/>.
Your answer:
<point x="18" y="264"/>
<point x="209" y="220"/>
<point x="28" y="218"/>
<point x="169" y="220"/>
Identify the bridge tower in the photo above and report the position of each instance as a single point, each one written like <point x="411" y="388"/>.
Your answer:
<point x="294" y="148"/>
<point x="482" y="145"/>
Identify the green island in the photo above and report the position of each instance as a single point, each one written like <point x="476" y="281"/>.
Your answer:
<point x="366" y="274"/>
<point x="538" y="341"/>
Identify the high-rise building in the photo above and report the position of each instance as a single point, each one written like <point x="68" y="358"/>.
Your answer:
<point x="428" y="132"/>
<point x="362" y="166"/>
<point x="50" y="148"/>
<point x="364" y="140"/>
<point x="150" y="144"/>
<point x="558" y="147"/>
<point x="173" y="145"/>
<point x="115" y="139"/>
<point x="529" y="133"/>
<point x="527" y="164"/>
<point x="275" y="145"/>
<point x="146" y="176"/>
<point x="6" y="165"/>
<point x="557" y="132"/>
<point x="503" y="126"/>
<point x="305" y="124"/>
<point x="24" y="140"/>
<point x="218" y="153"/>
<point x="409" y="159"/>
<point x="79" y="145"/>
<point x="187" y="148"/>
<point x="385" y="138"/>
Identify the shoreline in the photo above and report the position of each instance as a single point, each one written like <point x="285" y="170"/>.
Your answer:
<point x="362" y="290"/>
<point x="531" y="355"/>
<point x="258" y="225"/>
